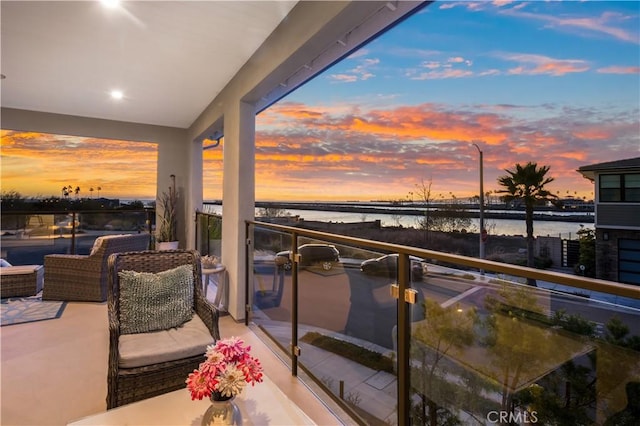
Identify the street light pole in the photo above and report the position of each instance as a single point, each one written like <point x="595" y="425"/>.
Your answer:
<point x="483" y="232"/>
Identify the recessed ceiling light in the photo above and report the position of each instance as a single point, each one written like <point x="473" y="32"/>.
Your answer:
<point x="112" y="4"/>
<point x="117" y="94"/>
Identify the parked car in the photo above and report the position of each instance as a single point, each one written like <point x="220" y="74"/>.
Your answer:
<point x="323" y="255"/>
<point x="387" y="266"/>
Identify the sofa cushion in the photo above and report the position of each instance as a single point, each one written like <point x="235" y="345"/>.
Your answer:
<point x="21" y="270"/>
<point x="190" y="339"/>
<point x="150" y="302"/>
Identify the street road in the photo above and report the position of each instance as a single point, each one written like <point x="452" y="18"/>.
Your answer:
<point x="344" y="300"/>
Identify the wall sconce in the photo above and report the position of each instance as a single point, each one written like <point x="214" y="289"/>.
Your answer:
<point x="605" y="236"/>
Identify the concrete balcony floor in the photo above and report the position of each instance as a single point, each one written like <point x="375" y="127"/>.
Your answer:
<point x="54" y="372"/>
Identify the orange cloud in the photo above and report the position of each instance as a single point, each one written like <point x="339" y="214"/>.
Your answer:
<point x="538" y="64"/>
<point x="592" y="133"/>
<point x="349" y="146"/>
<point x="37" y="164"/>
<point x="344" y="151"/>
<point x="422" y="122"/>
<point x="575" y="155"/>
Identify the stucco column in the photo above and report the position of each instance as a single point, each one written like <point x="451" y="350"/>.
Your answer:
<point x="174" y="159"/>
<point x="195" y="192"/>
<point x="238" y="197"/>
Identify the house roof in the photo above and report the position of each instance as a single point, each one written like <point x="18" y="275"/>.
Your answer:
<point x="629" y="164"/>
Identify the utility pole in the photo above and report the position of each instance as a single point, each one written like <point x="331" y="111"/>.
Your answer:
<point x="483" y="232"/>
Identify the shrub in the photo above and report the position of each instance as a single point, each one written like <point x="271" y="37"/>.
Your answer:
<point x="364" y="356"/>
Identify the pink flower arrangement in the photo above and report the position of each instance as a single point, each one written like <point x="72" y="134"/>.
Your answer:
<point x="227" y="369"/>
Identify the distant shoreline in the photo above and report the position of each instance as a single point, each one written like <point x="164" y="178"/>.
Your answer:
<point x="470" y="211"/>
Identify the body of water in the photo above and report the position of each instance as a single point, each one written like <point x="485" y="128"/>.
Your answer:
<point x="566" y="230"/>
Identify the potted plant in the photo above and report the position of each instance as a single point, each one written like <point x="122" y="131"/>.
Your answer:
<point x="167" y="232"/>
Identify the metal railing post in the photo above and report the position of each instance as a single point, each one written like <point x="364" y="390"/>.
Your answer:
<point x="148" y="219"/>
<point x="73" y="233"/>
<point x="404" y="337"/>
<point x="295" y="351"/>
<point x="247" y="298"/>
<point x="209" y="225"/>
<point x="197" y="231"/>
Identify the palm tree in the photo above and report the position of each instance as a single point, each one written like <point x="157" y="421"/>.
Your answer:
<point x="527" y="183"/>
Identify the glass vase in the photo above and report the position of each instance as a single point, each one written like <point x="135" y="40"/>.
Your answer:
<point x="223" y="411"/>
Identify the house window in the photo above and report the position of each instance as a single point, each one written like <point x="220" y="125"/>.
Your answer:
<point x="620" y="188"/>
<point x="632" y="187"/>
<point x="629" y="261"/>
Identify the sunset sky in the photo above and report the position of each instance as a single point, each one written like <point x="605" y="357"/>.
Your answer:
<point x="557" y="83"/>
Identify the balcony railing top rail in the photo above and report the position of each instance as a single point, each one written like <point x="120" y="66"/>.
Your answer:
<point x="8" y="212"/>
<point x="585" y="283"/>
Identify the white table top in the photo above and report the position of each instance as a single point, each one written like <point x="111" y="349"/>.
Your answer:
<point x="219" y="268"/>
<point x="261" y="405"/>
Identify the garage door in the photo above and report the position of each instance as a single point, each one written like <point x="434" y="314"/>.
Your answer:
<point x="629" y="261"/>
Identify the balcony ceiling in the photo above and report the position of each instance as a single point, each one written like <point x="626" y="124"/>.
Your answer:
<point x="170" y="59"/>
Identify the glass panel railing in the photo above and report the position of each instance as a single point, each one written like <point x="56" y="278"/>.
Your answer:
<point x="345" y="317"/>
<point x="492" y="349"/>
<point x="209" y="234"/>
<point x="346" y="325"/>
<point x="270" y="289"/>
<point x="27" y="237"/>
<point x="472" y="348"/>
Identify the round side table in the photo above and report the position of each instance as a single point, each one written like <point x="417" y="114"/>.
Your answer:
<point x="221" y="283"/>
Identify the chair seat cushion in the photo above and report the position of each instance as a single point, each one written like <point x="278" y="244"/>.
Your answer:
<point x="190" y="339"/>
<point x="150" y="302"/>
<point x="20" y="270"/>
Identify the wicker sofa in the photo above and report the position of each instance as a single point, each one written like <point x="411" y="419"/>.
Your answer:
<point x="147" y="363"/>
<point x="84" y="278"/>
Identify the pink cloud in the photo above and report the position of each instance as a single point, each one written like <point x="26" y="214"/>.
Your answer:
<point x="619" y="70"/>
<point x="490" y="72"/>
<point x="431" y="64"/>
<point x="500" y="3"/>
<point x="343" y="78"/>
<point x="445" y="73"/>
<point x="531" y="64"/>
<point x="448" y="5"/>
<point x="359" y="73"/>
<point x="603" y="24"/>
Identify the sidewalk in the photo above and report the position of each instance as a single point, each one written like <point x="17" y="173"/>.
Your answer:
<point x="373" y="391"/>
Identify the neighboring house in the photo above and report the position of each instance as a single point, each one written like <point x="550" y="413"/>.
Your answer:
<point x="617" y="218"/>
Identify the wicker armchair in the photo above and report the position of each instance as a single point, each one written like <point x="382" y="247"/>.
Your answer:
<point x="129" y="384"/>
<point x="84" y="278"/>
